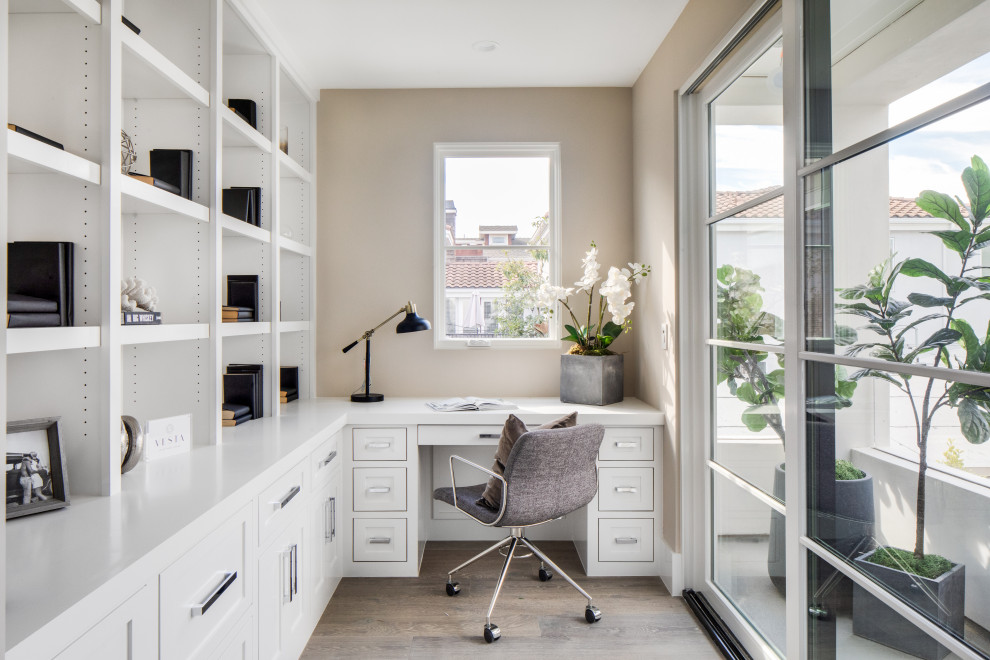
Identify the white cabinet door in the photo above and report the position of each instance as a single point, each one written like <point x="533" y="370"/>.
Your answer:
<point x="130" y="631"/>
<point x="326" y="514"/>
<point x="283" y="594"/>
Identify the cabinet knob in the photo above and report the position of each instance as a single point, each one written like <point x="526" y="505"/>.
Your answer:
<point x="626" y="540"/>
<point x="380" y="540"/>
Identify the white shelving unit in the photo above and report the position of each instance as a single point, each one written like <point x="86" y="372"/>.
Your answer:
<point x="168" y="88"/>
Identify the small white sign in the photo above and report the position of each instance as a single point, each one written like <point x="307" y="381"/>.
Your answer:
<point x="168" y="436"/>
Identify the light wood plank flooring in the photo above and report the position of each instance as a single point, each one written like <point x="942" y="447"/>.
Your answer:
<point x="414" y="618"/>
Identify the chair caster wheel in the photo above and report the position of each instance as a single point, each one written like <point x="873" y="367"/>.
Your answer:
<point x="545" y="575"/>
<point x="592" y="614"/>
<point x="492" y="633"/>
<point x="453" y="588"/>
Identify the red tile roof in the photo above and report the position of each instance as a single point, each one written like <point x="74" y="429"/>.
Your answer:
<point x="478" y="274"/>
<point x="900" y="207"/>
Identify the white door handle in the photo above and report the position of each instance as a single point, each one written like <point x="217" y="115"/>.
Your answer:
<point x="380" y="540"/>
<point x="626" y="445"/>
<point x="626" y="540"/>
<point x="379" y="489"/>
<point x="378" y="445"/>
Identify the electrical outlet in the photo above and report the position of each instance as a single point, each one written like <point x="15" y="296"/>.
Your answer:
<point x="664" y="334"/>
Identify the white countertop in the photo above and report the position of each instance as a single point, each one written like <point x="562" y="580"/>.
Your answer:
<point x="57" y="559"/>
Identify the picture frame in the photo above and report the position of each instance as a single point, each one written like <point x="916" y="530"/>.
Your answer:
<point x="37" y="478"/>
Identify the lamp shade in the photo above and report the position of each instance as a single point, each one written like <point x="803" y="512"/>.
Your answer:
<point x="412" y="323"/>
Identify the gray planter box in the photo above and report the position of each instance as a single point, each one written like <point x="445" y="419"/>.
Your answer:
<point x="941" y="599"/>
<point x="595" y="380"/>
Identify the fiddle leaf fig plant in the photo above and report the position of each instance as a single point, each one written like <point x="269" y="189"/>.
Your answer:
<point x="953" y="344"/>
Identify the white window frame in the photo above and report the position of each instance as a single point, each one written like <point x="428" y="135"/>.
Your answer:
<point x="444" y="150"/>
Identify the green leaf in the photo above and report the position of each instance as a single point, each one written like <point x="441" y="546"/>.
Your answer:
<point x="968" y="339"/>
<point x="844" y="335"/>
<point x="973" y="422"/>
<point x="925" y="300"/>
<point x="938" y="339"/>
<point x="875" y="373"/>
<point x="957" y="241"/>
<point x="747" y="393"/>
<point x="612" y="330"/>
<point x="754" y="421"/>
<point x="918" y="321"/>
<point x="574" y="331"/>
<point x="921" y="268"/>
<point x="941" y="205"/>
<point x="976" y="179"/>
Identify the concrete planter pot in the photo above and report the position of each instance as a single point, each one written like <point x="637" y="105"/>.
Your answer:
<point x="594" y="380"/>
<point x="850" y="532"/>
<point x="941" y="599"/>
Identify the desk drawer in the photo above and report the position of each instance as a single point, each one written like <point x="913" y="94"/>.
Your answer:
<point x="379" y="489"/>
<point x="380" y="444"/>
<point x="278" y="502"/>
<point x="205" y="592"/>
<point x="324" y="458"/>
<point x="625" y="489"/>
<point x="474" y="434"/>
<point x="625" y="539"/>
<point x="379" y="539"/>
<point x="627" y="444"/>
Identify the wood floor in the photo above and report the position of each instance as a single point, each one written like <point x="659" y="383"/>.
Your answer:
<point x="414" y="618"/>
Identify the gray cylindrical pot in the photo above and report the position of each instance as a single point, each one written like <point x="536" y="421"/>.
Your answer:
<point x="594" y="380"/>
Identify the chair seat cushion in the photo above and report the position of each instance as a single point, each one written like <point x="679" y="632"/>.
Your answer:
<point x="467" y="499"/>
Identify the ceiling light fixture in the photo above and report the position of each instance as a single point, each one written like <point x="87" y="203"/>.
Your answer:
<point x="485" y="46"/>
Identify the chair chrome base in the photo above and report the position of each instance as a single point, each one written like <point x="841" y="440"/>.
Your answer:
<point x="491" y="631"/>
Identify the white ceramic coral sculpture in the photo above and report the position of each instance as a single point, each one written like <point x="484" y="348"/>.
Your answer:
<point x="137" y="295"/>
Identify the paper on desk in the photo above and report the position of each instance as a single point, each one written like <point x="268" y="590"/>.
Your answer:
<point x="470" y="403"/>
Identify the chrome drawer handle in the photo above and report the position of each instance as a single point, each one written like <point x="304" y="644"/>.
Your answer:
<point x="626" y="445"/>
<point x="282" y="503"/>
<point x="626" y="489"/>
<point x="378" y="445"/>
<point x="380" y="540"/>
<point x="326" y="461"/>
<point x="199" y="609"/>
<point x="489" y="435"/>
<point x="626" y="540"/>
<point x="379" y="489"/>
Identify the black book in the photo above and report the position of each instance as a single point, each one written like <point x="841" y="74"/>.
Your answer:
<point x="235" y="410"/>
<point x="141" y="318"/>
<point x="174" y="166"/>
<point x="239" y="316"/>
<point x="35" y="136"/>
<point x="157" y="183"/>
<point x="288" y="379"/>
<point x="257" y="371"/>
<point x="242" y="291"/>
<point x="243" y="203"/>
<point x="239" y="389"/>
<point x="246" y="109"/>
<point x="27" y="320"/>
<point x="17" y="303"/>
<point x="134" y="28"/>
<point x="42" y="270"/>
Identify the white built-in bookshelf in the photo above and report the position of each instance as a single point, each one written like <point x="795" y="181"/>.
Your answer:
<point x="73" y="72"/>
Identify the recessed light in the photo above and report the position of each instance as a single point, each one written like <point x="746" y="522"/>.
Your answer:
<point x="484" y="46"/>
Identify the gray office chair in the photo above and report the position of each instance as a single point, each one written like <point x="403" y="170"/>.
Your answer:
<point x="548" y="474"/>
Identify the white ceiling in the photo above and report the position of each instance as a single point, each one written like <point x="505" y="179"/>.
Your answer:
<point x="372" y="44"/>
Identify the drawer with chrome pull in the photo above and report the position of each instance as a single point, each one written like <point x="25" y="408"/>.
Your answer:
<point x="625" y="539"/>
<point x="625" y="489"/>
<point x="627" y="443"/>
<point x="379" y="489"/>
<point x="379" y="539"/>
<point x="324" y="458"/>
<point x="280" y="500"/>
<point x="388" y="444"/>
<point x="206" y="591"/>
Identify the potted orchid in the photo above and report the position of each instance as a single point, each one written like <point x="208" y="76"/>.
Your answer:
<point x="591" y="372"/>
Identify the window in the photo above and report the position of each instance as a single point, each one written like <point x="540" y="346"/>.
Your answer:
<point x="497" y="241"/>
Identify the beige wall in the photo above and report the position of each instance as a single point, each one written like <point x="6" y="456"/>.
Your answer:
<point x="375" y="240"/>
<point x="700" y="27"/>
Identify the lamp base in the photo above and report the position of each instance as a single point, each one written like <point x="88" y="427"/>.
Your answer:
<point x="367" y="398"/>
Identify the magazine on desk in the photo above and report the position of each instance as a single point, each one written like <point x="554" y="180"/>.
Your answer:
<point x="470" y="403"/>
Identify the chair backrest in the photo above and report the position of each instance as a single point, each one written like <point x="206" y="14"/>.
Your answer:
<point x="550" y="473"/>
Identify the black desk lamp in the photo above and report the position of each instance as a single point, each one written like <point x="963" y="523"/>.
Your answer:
<point x="412" y="323"/>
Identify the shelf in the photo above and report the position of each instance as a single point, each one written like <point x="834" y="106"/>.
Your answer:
<point x="27" y="155"/>
<point x="294" y="246"/>
<point x="290" y="168"/>
<point x="150" y="334"/>
<point x="238" y="133"/>
<point x="295" y="326"/>
<point x="241" y="329"/>
<point x="35" y="340"/>
<point x="141" y="197"/>
<point x="238" y="228"/>
<point x="151" y="75"/>
<point x="88" y="9"/>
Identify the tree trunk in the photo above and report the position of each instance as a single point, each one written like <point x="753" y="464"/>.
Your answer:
<point x="919" y="531"/>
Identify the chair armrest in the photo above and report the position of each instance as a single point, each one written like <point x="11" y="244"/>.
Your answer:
<point x="453" y="483"/>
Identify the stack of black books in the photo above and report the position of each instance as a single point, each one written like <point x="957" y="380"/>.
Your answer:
<point x="235" y="413"/>
<point x="242" y="299"/>
<point x="243" y="203"/>
<point x="288" y="384"/>
<point x="39" y="284"/>
<point x="174" y="167"/>
<point x="243" y="387"/>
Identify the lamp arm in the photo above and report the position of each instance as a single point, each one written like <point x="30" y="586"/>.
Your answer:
<point x="367" y="335"/>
